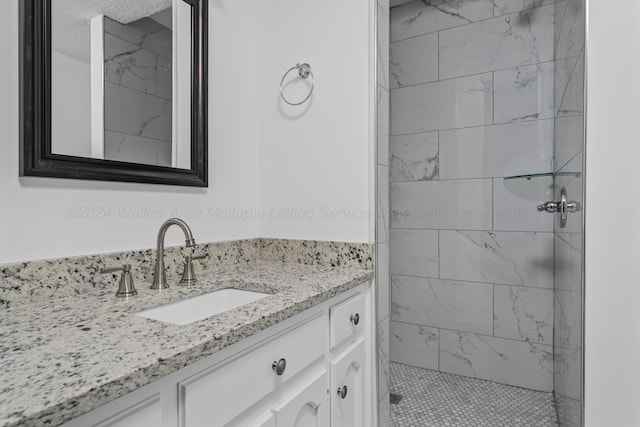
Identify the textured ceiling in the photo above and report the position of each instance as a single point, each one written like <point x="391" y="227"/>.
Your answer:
<point x="70" y="20"/>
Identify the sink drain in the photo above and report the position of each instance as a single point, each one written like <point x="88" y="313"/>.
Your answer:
<point x="395" y="398"/>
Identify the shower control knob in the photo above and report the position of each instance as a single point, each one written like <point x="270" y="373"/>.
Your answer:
<point x="550" y="207"/>
<point x="563" y="207"/>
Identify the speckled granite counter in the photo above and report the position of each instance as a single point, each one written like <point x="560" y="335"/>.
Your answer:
<point x="62" y="358"/>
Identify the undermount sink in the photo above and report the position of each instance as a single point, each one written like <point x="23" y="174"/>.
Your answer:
<point x="197" y="308"/>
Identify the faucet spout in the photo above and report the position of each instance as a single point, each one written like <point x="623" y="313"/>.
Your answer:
<point x="159" y="275"/>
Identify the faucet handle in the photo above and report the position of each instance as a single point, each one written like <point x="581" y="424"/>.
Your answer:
<point x="189" y="275"/>
<point x="126" y="287"/>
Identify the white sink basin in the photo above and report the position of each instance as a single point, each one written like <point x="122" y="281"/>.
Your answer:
<point x="197" y="308"/>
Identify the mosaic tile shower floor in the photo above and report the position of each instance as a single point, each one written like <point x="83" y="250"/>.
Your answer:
<point x="431" y="398"/>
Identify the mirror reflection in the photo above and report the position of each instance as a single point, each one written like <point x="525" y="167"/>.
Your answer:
<point x="119" y="89"/>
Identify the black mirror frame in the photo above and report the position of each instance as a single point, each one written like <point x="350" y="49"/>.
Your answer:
<point x="36" y="158"/>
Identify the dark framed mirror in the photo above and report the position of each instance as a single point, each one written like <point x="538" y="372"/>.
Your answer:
<point x="173" y="88"/>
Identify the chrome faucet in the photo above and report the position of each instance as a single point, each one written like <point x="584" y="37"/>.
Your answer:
<point x="159" y="275"/>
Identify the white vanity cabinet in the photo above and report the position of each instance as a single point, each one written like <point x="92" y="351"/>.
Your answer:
<point x="315" y="369"/>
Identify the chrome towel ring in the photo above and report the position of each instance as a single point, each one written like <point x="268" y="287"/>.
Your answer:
<point x="304" y="70"/>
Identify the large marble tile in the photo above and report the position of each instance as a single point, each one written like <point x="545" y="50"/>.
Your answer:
<point x="129" y="65"/>
<point x="508" y="41"/>
<point x="449" y="104"/>
<point x="497" y="151"/>
<point x="382" y="44"/>
<point x="570" y="28"/>
<point x="383" y="280"/>
<point x="382" y="219"/>
<point x="523" y="313"/>
<point x="463" y="306"/>
<point x="569" y="87"/>
<point x="414" y="252"/>
<point x="422" y="17"/>
<point x="568" y="265"/>
<point x="509" y="258"/>
<point x="165" y="82"/>
<point x="383" y="127"/>
<point x="413" y="345"/>
<point x="516" y="363"/>
<point x="135" y="113"/>
<point x="129" y="148"/>
<point x="569" y="139"/>
<point x="524" y="93"/>
<point x="462" y="205"/>
<point x="515" y="204"/>
<point x="144" y="33"/>
<point x="414" y="61"/>
<point x="503" y="7"/>
<point x="164" y="154"/>
<point x="568" y="319"/>
<point x="567" y="368"/>
<point x="414" y="157"/>
<point x="159" y="41"/>
<point x="574" y="240"/>
<point x="383" y="357"/>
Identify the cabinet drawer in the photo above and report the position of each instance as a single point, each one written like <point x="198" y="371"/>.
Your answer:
<point x="218" y="395"/>
<point x="347" y="319"/>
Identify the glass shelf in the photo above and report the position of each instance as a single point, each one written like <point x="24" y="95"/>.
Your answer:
<point x="542" y="175"/>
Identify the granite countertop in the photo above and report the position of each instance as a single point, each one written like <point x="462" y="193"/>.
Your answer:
<point x="62" y="358"/>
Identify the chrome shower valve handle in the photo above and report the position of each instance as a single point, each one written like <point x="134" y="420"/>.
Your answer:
<point x="562" y="207"/>
<point x="550" y="207"/>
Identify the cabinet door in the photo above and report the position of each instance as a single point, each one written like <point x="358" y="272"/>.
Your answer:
<point x="307" y="406"/>
<point x="347" y="397"/>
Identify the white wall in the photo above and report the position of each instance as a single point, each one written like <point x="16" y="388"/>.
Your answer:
<point x="39" y="217"/>
<point x="612" y="287"/>
<point x="315" y="158"/>
<point x="258" y="159"/>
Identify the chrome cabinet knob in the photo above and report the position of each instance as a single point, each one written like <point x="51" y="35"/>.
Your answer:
<point x="342" y="392"/>
<point x="355" y="319"/>
<point x="279" y="366"/>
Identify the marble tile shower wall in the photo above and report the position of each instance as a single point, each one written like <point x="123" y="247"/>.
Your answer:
<point x="569" y="143"/>
<point x="472" y="102"/>
<point x="137" y="92"/>
<point x="382" y="214"/>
